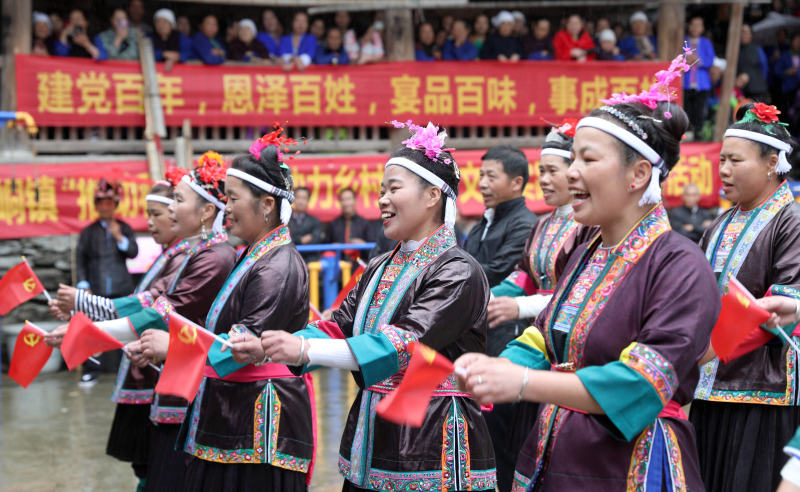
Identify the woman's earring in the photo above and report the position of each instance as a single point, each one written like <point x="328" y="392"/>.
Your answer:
<point x="266" y="218"/>
<point x="769" y="174"/>
<point x="202" y="229"/>
<point x="632" y="186"/>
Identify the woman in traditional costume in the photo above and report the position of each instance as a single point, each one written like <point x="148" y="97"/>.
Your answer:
<point x="426" y="290"/>
<point x="528" y="289"/>
<point x="251" y="426"/>
<point x="129" y="439"/>
<point x="616" y="352"/>
<point x="197" y="215"/>
<point x="746" y="410"/>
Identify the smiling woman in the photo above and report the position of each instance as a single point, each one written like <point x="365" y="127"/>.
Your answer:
<point x="427" y="290"/>
<point x="758" y="242"/>
<point x="613" y="356"/>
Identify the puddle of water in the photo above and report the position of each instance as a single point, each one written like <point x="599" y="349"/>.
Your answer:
<point x="53" y="435"/>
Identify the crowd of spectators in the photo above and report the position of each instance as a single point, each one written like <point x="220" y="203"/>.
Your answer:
<point x="767" y="73"/>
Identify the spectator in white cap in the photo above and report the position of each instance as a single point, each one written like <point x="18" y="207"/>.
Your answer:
<point x="43" y="39"/>
<point x="246" y="47"/>
<point x="638" y="46"/>
<point x="608" y="50"/>
<point x="502" y="45"/>
<point x="520" y="24"/>
<point x="166" y="39"/>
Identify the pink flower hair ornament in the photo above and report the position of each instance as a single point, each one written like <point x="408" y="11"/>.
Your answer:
<point x="660" y="91"/>
<point x="427" y="138"/>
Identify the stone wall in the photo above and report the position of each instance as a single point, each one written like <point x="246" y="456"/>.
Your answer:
<point x="51" y="259"/>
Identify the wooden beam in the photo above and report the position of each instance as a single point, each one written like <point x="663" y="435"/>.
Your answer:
<point x="16" y="40"/>
<point x="399" y="45"/>
<point x="671" y="21"/>
<point x="731" y="59"/>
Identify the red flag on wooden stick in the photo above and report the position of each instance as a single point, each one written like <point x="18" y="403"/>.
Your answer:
<point x="186" y="358"/>
<point x="83" y="339"/>
<point x="348" y="287"/>
<point x="738" y="330"/>
<point x="30" y="355"/>
<point x="18" y="285"/>
<point x="408" y="404"/>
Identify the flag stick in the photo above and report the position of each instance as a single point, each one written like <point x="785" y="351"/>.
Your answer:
<point x="788" y="340"/>
<point x="44" y="291"/>
<point x="217" y="337"/>
<point x="128" y="353"/>
<point x="94" y="360"/>
<point x="361" y="263"/>
<point x="314" y="308"/>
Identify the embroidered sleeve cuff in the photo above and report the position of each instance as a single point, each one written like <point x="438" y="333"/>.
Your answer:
<point x="381" y="355"/>
<point x="531" y="306"/>
<point x="507" y="288"/>
<point x="147" y="319"/>
<point x="223" y="362"/>
<point x="528" y="350"/>
<point x="133" y="304"/>
<point x="631" y="391"/>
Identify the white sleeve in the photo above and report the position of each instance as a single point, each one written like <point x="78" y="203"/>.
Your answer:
<point x="119" y="328"/>
<point x="531" y="306"/>
<point x="305" y="59"/>
<point x="331" y="353"/>
<point x="791" y="471"/>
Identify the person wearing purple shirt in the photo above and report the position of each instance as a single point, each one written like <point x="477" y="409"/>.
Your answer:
<point x="298" y="48"/>
<point x="459" y="47"/>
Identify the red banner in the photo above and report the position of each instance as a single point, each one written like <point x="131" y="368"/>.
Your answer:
<point x="58" y="198"/>
<point x="80" y="92"/>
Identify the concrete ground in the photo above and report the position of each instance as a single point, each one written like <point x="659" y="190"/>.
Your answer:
<point x="53" y="434"/>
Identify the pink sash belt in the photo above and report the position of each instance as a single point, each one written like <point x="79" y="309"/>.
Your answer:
<point x="250" y="373"/>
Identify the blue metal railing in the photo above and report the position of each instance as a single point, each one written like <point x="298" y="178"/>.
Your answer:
<point x="330" y="271"/>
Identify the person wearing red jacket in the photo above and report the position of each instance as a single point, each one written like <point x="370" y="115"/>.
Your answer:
<point x="573" y="42"/>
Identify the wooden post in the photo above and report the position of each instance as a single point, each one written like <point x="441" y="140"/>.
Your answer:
<point x="671" y="22"/>
<point x="399" y="44"/>
<point x="731" y="60"/>
<point x="16" y="40"/>
<point x="154" y="128"/>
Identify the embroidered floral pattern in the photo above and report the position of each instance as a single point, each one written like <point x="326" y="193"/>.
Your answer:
<point x="651" y="365"/>
<point x="642" y="458"/>
<point x="543" y="258"/>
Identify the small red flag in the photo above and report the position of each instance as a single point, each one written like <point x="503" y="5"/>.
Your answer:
<point x="738" y="330"/>
<point x="186" y="358"/>
<point x="348" y="287"/>
<point x="408" y="404"/>
<point x="30" y="355"/>
<point x="84" y="339"/>
<point x="18" y="285"/>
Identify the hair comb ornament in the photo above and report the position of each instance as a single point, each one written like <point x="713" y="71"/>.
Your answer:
<point x="638" y="130"/>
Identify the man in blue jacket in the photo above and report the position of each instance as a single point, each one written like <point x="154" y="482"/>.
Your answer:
<point x="697" y="83"/>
